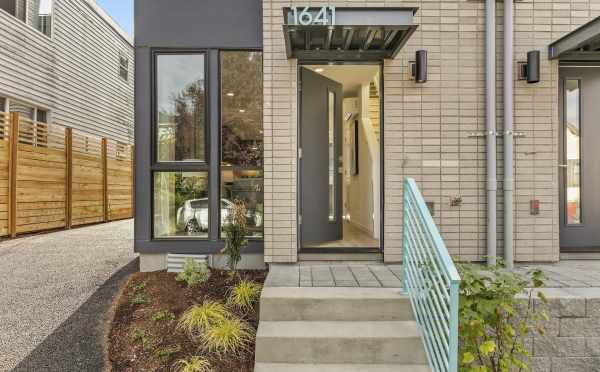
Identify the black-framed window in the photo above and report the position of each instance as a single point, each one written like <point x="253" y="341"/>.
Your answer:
<point x="242" y="135"/>
<point x="207" y="148"/>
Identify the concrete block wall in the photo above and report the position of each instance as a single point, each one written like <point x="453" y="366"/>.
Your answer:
<point x="571" y="342"/>
<point x="427" y="126"/>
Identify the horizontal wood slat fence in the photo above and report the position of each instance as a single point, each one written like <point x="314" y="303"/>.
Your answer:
<point x="53" y="177"/>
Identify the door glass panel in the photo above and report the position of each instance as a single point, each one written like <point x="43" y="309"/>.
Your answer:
<point x="572" y="101"/>
<point x="331" y="142"/>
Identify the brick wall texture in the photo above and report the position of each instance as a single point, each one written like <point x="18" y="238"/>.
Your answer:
<point x="427" y="126"/>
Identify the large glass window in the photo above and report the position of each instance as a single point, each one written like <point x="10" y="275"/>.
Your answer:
<point x="181" y="204"/>
<point x="242" y="136"/>
<point x="181" y="107"/>
<point x="572" y="137"/>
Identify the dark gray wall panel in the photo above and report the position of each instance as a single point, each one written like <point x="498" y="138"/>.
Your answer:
<point x="181" y="24"/>
<point x="199" y="23"/>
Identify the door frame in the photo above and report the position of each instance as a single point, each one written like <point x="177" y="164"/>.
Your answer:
<point x="299" y="247"/>
<point x="562" y="77"/>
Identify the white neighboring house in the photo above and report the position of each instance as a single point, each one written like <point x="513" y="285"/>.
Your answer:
<point x="67" y="62"/>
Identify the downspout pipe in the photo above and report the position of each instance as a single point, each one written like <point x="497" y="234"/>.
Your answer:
<point x="508" y="134"/>
<point x="490" y="121"/>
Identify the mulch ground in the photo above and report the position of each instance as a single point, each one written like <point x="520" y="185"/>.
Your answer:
<point x="163" y="344"/>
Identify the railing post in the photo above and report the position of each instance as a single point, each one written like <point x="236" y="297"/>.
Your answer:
<point x="104" y="180"/>
<point x="12" y="173"/>
<point x="454" y="303"/>
<point x="69" y="178"/>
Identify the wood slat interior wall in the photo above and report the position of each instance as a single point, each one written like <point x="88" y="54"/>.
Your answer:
<point x="41" y="177"/>
<point x="87" y="187"/>
<point x="119" y="167"/>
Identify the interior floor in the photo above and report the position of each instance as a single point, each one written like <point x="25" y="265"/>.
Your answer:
<point x="352" y="237"/>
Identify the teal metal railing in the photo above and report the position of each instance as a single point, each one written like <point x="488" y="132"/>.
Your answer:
<point x="431" y="281"/>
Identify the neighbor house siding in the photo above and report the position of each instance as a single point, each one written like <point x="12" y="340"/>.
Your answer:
<point x="427" y="126"/>
<point x="74" y="74"/>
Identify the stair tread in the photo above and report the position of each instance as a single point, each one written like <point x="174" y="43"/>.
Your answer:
<point x="311" y="293"/>
<point x="301" y="367"/>
<point x="338" y="329"/>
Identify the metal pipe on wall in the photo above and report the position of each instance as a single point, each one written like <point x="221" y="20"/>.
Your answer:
<point x="508" y="134"/>
<point x="490" y="120"/>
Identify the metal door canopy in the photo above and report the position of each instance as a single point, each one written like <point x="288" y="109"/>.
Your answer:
<point x="346" y="34"/>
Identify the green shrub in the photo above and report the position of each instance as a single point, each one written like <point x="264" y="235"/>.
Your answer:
<point x="228" y="336"/>
<point x="194" y="273"/>
<point x="235" y="234"/>
<point x="194" y="364"/>
<point x="165" y="354"/>
<point x="198" y="318"/>
<point x="141" y="336"/>
<point x="138" y="296"/>
<point x="244" y="295"/>
<point x="494" y="321"/>
<point x="163" y="315"/>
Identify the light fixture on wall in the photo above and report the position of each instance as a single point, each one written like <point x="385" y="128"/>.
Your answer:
<point x="419" y="67"/>
<point x="530" y="70"/>
<point x="230" y="94"/>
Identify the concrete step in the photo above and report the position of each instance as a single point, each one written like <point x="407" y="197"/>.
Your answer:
<point x="334" y="304"/>
<point x="355" y="342"/>
<point x="300" y="367"/>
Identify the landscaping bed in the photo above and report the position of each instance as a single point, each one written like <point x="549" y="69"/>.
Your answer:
<point x="147" y="334"/>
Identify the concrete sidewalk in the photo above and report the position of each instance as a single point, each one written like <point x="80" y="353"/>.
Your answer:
<point x="55" y="293"/>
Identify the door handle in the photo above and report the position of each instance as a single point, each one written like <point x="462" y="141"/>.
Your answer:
<point x="563" y="165"/>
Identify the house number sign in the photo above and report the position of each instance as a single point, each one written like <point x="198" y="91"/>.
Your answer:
<point x="306" y="16"/>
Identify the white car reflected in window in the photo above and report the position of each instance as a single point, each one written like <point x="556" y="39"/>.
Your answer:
<point x="193" y="217"/>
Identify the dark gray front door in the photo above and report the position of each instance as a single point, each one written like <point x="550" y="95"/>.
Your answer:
<point x="321" y="149"/>
<point x="579" y="167"/>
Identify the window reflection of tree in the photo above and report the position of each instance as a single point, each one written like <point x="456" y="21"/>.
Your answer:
<point x="182" y="131"/>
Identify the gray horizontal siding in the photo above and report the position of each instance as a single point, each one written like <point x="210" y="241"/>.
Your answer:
<point x="74" y="74"/>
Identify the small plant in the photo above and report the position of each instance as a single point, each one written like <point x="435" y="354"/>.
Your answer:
<point x="194" y="273"/>
<point x="163" y="315"/>
<point x="165" y="354"/>
<point x="140" y="335"/>
<point x="138" y="296"/>
<point x="235" y="234"/>
<point x="139" y="299"/>
<point x="199" y="318"/>
<point x="194" y="364"/>
<point x="493" y="322"/>
<point x="228" y="336"/>
<point x="140" y="287"/>
<point x="244" y="295"/>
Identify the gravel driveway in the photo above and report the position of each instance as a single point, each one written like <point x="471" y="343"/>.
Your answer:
<point x="55" y="294"/>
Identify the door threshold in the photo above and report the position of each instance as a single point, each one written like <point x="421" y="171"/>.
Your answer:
<point x="344" y="250"/>
<point x="340" y="254"/>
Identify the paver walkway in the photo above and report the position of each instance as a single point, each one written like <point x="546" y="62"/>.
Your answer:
<point x="354" y="274"/>
<point x="565" y="274"/>
<point x="56" y="290"/>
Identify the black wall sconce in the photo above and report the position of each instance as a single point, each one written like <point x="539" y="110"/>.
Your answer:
<point x="530" y="70"/>
<point x="419" y="67"/>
